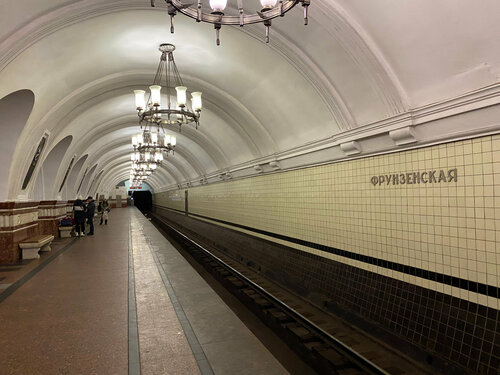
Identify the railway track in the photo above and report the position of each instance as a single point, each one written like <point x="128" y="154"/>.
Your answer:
<point x="324" y="352"/>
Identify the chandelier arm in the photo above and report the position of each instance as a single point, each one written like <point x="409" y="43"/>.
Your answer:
<point x="241" y="19"/>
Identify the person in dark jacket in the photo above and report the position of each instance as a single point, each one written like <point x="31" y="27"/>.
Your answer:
<point x="79" y="216"/>
<point x="90" y="214"/>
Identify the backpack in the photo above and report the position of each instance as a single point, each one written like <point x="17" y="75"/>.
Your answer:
<point x="66" y="221"/>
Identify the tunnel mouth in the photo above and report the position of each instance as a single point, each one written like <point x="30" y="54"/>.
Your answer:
<point x="143" y="200"/>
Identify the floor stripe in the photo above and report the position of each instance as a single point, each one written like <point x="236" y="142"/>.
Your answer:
<point x="19" y="283"/>
<point x="134" y="360"/>
<point x="199" y="354"/>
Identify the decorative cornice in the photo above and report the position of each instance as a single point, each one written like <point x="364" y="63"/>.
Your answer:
<point x="483" y="98"/>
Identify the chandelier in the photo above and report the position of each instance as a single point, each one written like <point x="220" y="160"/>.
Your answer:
<point x="152" y="112"/>
<point x="154" y="143"/>
<point x="137" y="177"/>
<point x="270" y="9"/>
<point x="146" y="160"/>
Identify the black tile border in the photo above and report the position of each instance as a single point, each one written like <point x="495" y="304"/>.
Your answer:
<point x="19" y="283"/>
<point x="134" y="359"/>
<point x="471" y="286"/>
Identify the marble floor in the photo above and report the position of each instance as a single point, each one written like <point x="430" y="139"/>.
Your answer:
<point x="121" y="301"/>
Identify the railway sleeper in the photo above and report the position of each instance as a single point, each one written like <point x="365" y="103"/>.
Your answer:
<point x="278" y="315"/>
<point x="237" y="283"/>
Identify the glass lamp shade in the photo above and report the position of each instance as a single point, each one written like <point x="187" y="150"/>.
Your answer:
<point x="137" y="156"/>
<point x="152" y="166"/>
<point x="218" y="5"/>
<point x="167" y="139"/>
<point x="134" y="141"/>
<point x="132" y="156"/>
<point x="140" y="103"/>
<point x="154" y="138"/>
<point x="179" y="115"/>
<point x="267" y="4"/>
<point x="140" y="139"/>
<point x="155" y="95"/>
<point x="181" y="95"/>
<point x="173" y="141"/>
<point x="158" y="157"/>
<point x="147" y="156"/>
<point x="196" y="101"/>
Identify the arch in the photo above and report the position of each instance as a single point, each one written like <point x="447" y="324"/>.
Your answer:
<point x="11" y="125"/>
<point x="71" y="183"/>
<point x="86" y="179"/>
<point x="45" y="187"/>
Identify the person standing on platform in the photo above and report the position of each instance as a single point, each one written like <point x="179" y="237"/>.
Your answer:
<point x="79" y="216"/>
<point x="90" y="214"/>
<point x="105" y="211"/>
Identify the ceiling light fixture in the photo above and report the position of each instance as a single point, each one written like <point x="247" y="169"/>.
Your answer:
<point x="178" y="112"/>
<point x="154" y="143"/>
<point x="270" y="9"/>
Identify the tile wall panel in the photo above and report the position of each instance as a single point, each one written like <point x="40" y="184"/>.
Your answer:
<point x="450" y="227"/>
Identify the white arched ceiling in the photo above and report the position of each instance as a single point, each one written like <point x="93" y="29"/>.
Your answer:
<point x="15" y="109"/>
<point x="357" y="68"/>
<point x="45" y="187"/>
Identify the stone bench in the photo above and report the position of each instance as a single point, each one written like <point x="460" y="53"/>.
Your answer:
<point x="31" y="246"/>
<point x="65" y="232"/>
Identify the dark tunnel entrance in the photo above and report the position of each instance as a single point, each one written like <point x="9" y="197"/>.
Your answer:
<point x="143" y="200"/>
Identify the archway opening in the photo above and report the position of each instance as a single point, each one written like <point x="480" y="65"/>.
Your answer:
<point x="143" y="200"/>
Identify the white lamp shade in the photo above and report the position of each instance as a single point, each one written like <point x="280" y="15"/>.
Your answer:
<point x="147" y="156"/>
<point x="181" y="95"/>
<point x="167" y="139"/>
<point x="218" y="5"/>
<point x="134" y="141"/>
<point x="140" y="103"/>
<point x="132" y="157"/>
<point x="154" y="138"/>
<point x="268" y="3"/>
<point x="140" y="139"/>
<point x="173" y="141"/>
<point x="155" y="94"/>
<point x="196" y="100"/>
<point x="137" y="156"/>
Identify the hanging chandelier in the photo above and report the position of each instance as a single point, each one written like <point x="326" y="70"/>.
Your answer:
<point x="270" y="9"/>
<point x="178" y="112"/>
<point x="146" y="160"/>
<point x="154" y="142"/>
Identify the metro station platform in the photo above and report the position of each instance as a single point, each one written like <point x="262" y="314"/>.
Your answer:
<point x="121" y="301"/>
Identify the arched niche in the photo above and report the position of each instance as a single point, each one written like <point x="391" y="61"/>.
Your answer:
<point x="85" y="181"/>
<point x="70" y="186"/>
<point x="45" y="185"/>
<point x="15" y="110"/>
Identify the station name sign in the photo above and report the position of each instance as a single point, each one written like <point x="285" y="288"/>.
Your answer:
<point x="413" y="178"/>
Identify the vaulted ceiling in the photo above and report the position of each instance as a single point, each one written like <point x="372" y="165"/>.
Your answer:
<point x="363" y="77"/>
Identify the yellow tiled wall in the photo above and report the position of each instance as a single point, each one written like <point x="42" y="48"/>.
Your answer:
<point x="451" y="227"/>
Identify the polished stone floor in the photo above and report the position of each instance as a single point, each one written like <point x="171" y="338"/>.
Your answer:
<point x="121" y="301"/>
